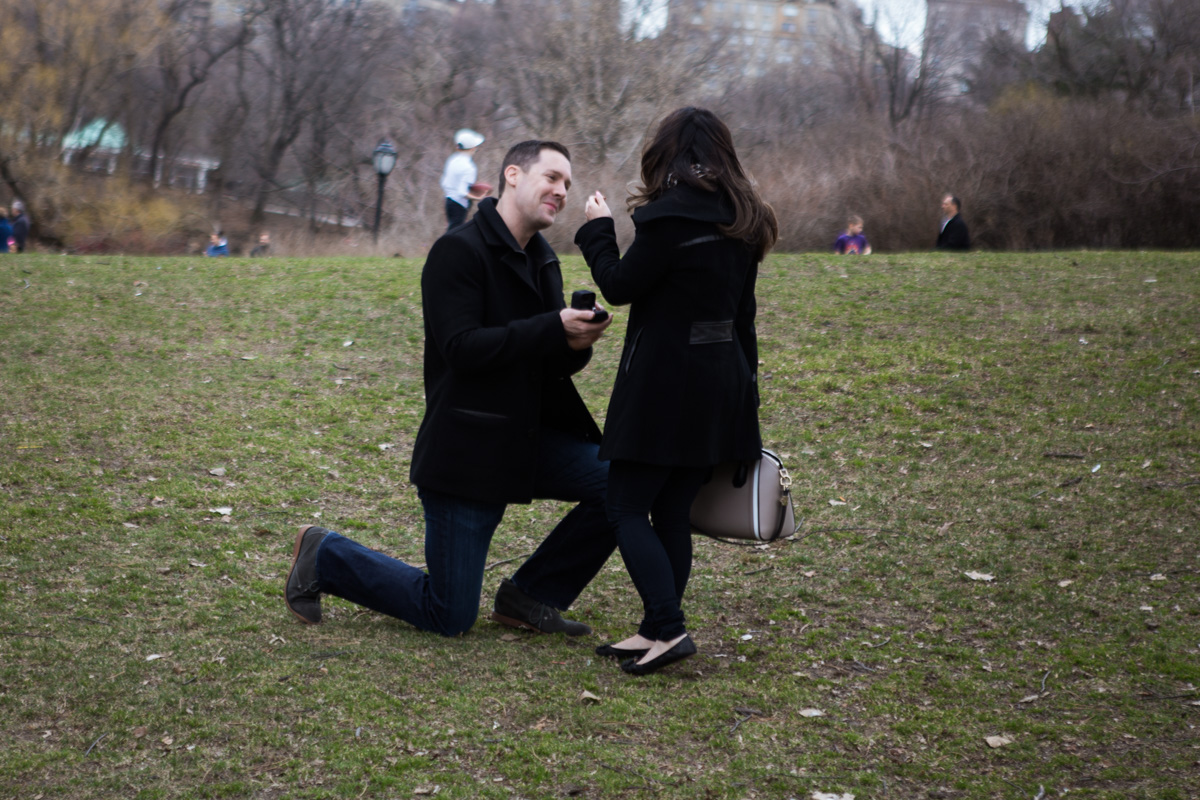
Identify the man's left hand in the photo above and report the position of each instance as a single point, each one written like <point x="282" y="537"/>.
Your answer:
<point x="581" y="332"/>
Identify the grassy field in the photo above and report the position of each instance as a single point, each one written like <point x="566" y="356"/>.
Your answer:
<point x="168" y="423"/>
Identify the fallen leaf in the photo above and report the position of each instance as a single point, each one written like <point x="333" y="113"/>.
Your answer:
<point x="942" y="530"/>
<point x="997" y="741"/>
<point x="831" y="796"/>
<point x="155" y="656"/>
<point x="811" y="712"/>
<point x="1096" y="468"/>
<point x="386" y="446"/>
<point x="197" y="564"/>
<point x="139" y="731"/>
<point x="222" y="510"/>
<point x="249" y="358"/>
<point x="747" y="637"/>
<point x="809" y="574"/>
<point x="347" y="343"/>
<point x="980" y="576"/>
<point x="837" y="502"/>
<point x="1146" y="608"/>
<point x="510" y="637"/>
<point x="926" y="444"/>
<point x="1029" y="698"/>
<point x="168" y="741"/>
<point x="1145" y="463"/>
<point x="1066" y="583"/>
<point x="588" y="697"/>
<point x="130" y="525"/>
<point x="218" y="471"/>
<point x="1158" y="577"/>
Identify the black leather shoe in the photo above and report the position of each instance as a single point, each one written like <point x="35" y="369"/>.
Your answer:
<point x="609" y="651"/>
<point x="302" y="593"/>
<point x="683" y="648"/>
<point x="516" y="609"/>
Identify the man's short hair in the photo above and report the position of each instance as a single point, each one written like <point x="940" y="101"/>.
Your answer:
<point x="854" y="219"/>
<point x="956" y="201"/>
<point x="524" y="154"/>
<point x="18" y="205"/>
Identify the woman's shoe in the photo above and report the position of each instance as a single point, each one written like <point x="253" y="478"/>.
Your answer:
<point x="609" y="651"/>
<point x="683" y="648"/>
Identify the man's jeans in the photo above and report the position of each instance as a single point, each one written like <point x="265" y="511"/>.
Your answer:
<point x="457" y="535"/>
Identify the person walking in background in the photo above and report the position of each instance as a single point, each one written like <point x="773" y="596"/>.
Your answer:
<point x="686" y="396"/>
<point x="218" y="245"/>
<point x="20" y="226"/>
<point x="503" y="424"/>
<point x="953" y="234"/>
<point x="853" y="241"/>
<point x="263" y="248"/>
<point x="459" y="177"/>
<point x="6" y="232"/>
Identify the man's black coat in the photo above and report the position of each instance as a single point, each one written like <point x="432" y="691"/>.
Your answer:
<point x="497" y="363"/>
<point x="954" y="235"/>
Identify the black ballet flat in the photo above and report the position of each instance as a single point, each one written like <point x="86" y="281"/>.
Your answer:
<point x="683" y="648"/>
<point x="609" y="651"/>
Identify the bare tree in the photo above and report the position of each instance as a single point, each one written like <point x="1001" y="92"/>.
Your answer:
<point x="314" y="55"/>
<point x="189" y="49"/>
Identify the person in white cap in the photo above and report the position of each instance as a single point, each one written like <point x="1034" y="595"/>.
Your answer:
<point x="459" y="177"/>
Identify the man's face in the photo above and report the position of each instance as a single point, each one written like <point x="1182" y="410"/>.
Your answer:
<point x="541" y="192"/>
<point x="948" y="208"/>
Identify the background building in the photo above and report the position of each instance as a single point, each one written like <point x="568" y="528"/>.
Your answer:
<point x="957" y="30"/>
<point x="767" y="32"/>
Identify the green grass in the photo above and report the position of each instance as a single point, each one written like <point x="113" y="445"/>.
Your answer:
<point x="922" y="391"/>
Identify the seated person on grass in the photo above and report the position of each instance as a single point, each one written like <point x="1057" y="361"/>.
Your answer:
<point x="852" y="242"/>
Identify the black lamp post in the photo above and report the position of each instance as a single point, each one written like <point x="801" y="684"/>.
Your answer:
<point x="385" y="160"/>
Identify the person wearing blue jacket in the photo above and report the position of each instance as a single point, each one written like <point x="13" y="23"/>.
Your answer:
<point x="218" y="245"/>
<point x="6" y="231"/>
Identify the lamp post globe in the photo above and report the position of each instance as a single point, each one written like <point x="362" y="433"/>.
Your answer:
<point x="384" y="159"/>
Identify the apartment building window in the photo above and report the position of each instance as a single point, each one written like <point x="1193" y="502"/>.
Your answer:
<point x="789" y="10"/>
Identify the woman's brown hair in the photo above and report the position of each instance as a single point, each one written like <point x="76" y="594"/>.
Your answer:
<point x="693" y="146"/>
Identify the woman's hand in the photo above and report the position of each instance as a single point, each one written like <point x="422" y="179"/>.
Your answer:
<point x="596" y="207"/>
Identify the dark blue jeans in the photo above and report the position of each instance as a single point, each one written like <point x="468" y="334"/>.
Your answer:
<point x="458" y="533"/>
<point x="648" y="507"/>
<point x="455" y="214"/>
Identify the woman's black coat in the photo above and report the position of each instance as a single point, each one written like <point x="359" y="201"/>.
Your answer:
<point x="686" y="391"/>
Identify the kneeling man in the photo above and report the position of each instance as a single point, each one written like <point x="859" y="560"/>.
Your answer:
<point x="503" y="424"/>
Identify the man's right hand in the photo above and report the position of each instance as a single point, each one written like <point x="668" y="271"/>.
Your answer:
<point x="581" y="332"/>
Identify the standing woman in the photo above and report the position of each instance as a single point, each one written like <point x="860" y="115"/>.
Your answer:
<point x="686" y="396"/>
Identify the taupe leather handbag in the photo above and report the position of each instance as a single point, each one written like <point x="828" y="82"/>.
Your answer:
<point x="746" y="501"/>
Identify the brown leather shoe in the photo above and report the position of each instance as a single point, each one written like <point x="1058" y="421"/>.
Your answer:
<point x="302" y="592"/>
<point x="516" y="609"/>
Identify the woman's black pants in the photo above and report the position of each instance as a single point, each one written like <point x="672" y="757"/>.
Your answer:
<point x="648" y="508"/>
